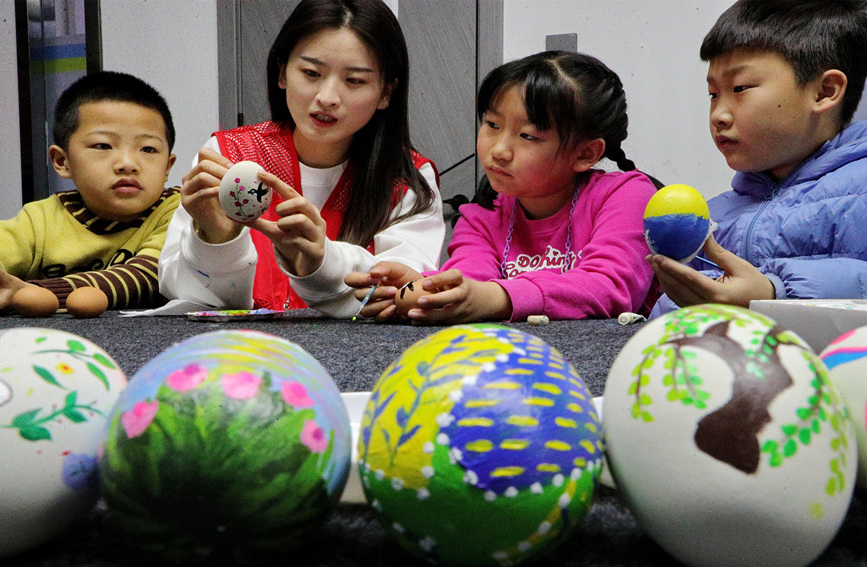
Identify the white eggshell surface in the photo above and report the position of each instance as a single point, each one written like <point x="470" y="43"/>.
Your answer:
<point x="727" y="440"/>
<point x="56" y="391"/>
<point x="846" y="359"/>
<point x="242" y="196"/>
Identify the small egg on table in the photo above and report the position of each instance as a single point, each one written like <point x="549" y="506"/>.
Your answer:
<point x="86" y="302"/>
<point x="35" y="301"/>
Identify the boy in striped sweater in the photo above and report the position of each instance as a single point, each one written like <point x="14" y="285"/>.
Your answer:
<point x="113" y="137"/>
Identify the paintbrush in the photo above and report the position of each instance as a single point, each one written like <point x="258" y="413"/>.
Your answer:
<point x="364" y="301"/>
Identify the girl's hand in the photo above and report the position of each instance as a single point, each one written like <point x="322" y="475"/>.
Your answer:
<point x="299" y="235"/>
<point x="740" y="283"/>
<point x="200" y="197"/>
<point x="388" y="277"/>
<point x="462" y="301"/>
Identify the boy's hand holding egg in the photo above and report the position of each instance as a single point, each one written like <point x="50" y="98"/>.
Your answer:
<point x="677" y="225"/>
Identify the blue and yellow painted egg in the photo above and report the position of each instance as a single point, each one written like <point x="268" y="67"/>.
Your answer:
<point x="57" y="391"/>
<point x="846" y="359"/>
<point x="676" y="222"/>
<point x="231" y="444"/>
<point x="721" y="423"/>
<point x="480" y="445"/>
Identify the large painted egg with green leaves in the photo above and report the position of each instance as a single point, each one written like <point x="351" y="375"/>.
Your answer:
<point x="57" y="390"/>
<point x="480" y="445"/>
<point x="727" y="439"/>
<point x="228" y="444"/>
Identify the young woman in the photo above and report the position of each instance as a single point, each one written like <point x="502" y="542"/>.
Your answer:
<point x="349" y="189"/>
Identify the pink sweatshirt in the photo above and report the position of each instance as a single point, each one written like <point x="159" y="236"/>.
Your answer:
<point x="608" y="273"/>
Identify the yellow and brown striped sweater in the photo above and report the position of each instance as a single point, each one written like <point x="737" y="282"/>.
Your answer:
<point x="59" y="244"/>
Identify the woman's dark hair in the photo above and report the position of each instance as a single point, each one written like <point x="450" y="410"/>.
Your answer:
<point x="812" y="35"/>
<point x="573" y="93"/>
<point x="380" y="153"/>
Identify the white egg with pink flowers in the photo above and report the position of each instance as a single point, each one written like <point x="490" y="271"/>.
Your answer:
<point x="242" y="195"/>
<point x="727" y="439"/>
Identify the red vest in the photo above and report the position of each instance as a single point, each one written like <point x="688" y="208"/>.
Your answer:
<point x="271" y="146"/>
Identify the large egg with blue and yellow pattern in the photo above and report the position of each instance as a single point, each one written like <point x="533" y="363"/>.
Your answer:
<point x="480" y="445"/>
<point x="676" y="222"/>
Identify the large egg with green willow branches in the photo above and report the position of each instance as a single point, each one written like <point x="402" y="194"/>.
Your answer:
<point x="229" y="445"/>
<point x="480" y="445"/>
<point x="727" y="439"/>
<point x="57" y="391"/>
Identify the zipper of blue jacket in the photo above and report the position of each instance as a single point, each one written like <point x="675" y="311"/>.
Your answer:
<point x="748" y="237"/>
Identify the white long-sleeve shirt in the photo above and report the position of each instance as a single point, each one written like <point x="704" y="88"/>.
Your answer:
<point x="220" y="276"/>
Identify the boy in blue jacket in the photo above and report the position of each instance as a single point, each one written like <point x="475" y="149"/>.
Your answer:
<point x="785" y="79"/>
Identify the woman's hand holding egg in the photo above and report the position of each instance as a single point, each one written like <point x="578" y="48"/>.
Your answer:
<point x="299" y="234"/>
<point x="200" y="197"/>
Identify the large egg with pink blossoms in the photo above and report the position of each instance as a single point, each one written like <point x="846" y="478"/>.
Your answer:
<point x="229" y="444"/>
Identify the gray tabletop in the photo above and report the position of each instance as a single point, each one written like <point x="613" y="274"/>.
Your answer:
<point x="355" y="354"/>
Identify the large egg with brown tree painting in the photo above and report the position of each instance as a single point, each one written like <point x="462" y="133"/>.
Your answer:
<point x="727" y="440"/>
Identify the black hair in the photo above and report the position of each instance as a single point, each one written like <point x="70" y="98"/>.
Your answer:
<point x="573" y="93"/>
<point x="106" y="86"/>
<point x="812" y="35"/>
<point x="380" y="152"/>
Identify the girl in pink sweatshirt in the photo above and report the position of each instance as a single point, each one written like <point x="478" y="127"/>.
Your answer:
<point x="547" y="233"/>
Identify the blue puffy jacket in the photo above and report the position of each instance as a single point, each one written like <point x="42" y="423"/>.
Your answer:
<point x="807" y="233"/>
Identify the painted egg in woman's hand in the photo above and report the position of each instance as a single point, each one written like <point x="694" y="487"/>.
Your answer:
<point x="408" y="295"/>
<point x="242" y="195"/>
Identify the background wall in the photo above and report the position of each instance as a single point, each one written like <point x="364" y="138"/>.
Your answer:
<point x="171" y="44"/>
<point x="10" y="140"/>
<point x="653" y="47"/>
<point x="652" y="44"/>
